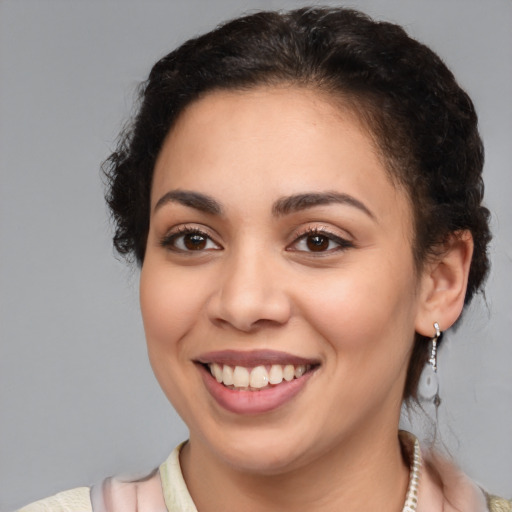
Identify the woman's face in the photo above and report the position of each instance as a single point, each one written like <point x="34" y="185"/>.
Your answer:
<point x="278" y="251"/>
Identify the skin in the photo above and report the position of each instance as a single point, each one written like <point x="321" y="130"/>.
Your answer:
<point x="256" y="284"/>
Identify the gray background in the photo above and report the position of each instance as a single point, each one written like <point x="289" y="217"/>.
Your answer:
<point x="77" y="397"/>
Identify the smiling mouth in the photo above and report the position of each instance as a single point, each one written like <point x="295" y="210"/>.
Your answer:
<point x="241" y="378"/>
<point x="255" y="381"/>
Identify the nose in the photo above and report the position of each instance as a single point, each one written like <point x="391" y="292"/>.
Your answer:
<point x="251" y="293"/>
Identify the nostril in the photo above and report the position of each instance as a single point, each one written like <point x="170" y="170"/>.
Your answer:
<point x="248" y="316"/>
<point x="248" y="297"/>
<point x="246" y="327"/>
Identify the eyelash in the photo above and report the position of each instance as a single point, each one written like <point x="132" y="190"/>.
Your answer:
<point x="170" y="240"/>
<point x="342" y="243"/>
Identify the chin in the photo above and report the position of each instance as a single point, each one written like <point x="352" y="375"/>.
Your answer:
<point x="269" y="451"/>
<point x="268" y="460"/>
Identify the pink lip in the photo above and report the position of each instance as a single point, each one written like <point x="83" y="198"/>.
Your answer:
<point x="253" y="358"/>
<point x="253" y="402"/>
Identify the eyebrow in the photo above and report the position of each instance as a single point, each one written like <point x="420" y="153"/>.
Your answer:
<point x="196" y="200"/>
<point x="298" y="202"/>
<point x="283" y="206"/>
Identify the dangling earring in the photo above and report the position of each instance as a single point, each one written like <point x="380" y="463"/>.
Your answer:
<point x="428" y="387"/>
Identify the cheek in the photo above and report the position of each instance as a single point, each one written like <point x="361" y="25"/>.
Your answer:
<point x="170" y="304"/>
<point x="368" y="328"/>
<point x="362" y="312"/>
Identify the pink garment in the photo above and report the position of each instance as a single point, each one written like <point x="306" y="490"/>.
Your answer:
<point x="115" y="495"/>
<point x="442" y="488"/>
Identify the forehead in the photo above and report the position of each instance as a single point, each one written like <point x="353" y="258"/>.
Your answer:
<point x="277" y="141"/>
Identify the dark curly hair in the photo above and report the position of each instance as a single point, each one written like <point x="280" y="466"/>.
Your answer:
<point x="423" y="123"/>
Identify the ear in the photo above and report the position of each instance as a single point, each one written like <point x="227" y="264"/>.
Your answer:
<point x="443" y="284"/>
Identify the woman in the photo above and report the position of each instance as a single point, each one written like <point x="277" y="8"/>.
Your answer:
<point x="303" y="193"/>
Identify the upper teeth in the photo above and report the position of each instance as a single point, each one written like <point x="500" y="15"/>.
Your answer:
<point x="257" y="377"/>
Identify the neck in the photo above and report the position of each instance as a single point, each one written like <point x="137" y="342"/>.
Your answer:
<point x="365" y="472"/>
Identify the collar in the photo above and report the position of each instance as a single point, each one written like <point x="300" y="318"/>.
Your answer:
<point x="442" y="487"/>
<point x="435" y="483"/>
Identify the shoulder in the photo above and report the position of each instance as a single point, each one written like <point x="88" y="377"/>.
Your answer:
<point x="142" y="495"/>
<point x="74" y="500"/>
<point x="443" y="486"/>
<point x="163" y="490"/>
<point x="112" y="494"/>
<point x="458" y="491"/>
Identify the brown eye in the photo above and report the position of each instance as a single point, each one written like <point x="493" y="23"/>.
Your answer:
<point x="194" y="241"/>
<point x="317" y="243"/>
<point x="189" y="240"/>
<point x="320" y="241"/>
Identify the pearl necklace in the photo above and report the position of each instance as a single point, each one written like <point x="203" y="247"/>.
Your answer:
<point x="411" y="498"/>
